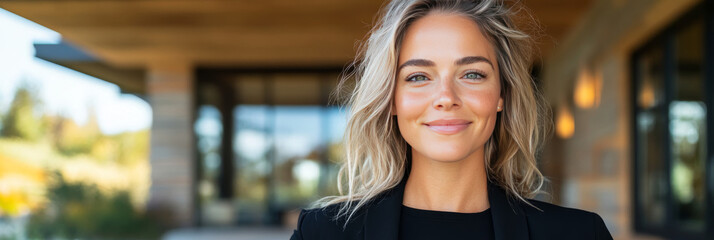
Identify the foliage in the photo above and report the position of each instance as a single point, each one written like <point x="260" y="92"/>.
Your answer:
<point x="21" y="120"/>
<point x="71" y="139"/>
<point x="125" y="148"/>
<point x="82" y="211"/>
<point x="11" y="203"/>
<point x="87" y="202"/>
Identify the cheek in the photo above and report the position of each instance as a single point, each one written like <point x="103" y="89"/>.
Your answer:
<point x="483" y="102"/>
<point x="483" y="105"/>
<point x="409" y="104"/>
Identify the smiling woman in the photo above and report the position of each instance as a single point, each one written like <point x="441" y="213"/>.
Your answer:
<point x="444" y="126"/>
<point x="446" y="111"/>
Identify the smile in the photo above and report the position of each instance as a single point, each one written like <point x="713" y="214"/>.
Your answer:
<point x="451" y="126"/>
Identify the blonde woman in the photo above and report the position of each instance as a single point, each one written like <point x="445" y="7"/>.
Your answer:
<point x="442" y="134"/>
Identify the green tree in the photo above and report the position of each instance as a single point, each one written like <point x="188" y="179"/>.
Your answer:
<point x="2" y="114"/>
<point x="72" y="139"/>
<point x="22" y="120"/>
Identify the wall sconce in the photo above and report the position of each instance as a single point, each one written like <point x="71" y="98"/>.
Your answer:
<point x="565" y="123"/>
<point x="587" y="89"/>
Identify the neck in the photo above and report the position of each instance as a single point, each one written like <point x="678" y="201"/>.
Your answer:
<point x="458" y="186"/>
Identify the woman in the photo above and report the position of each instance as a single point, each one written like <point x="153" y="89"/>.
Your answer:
<point x="443" y="130"/>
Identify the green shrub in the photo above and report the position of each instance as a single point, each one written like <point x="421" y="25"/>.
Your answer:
<point x="82" y="211"/>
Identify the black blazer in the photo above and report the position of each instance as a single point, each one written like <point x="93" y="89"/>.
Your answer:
<point x="512" y="219"/>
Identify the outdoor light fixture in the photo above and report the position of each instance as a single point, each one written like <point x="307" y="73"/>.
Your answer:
<point x="587" y="89"/>
<point x="565" y="124"/>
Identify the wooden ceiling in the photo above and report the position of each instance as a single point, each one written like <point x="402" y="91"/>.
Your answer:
<point x="241" y="33"/>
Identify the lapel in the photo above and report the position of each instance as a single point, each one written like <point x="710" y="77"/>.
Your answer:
<point x="509" y="219"/>
<point x="382" y="217"/>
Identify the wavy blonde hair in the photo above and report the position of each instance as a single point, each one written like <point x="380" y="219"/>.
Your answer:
<point x="375" y="152"/>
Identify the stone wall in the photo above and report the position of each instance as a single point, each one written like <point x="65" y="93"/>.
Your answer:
<point x="170" y="92"/>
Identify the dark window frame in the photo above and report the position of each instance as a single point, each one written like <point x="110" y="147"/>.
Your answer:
<point x="667" y="38"/>
<point x="218" y="76"/>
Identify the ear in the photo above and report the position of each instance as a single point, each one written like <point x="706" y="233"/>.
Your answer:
<point x="393" y="109"/>
<point x="500" y="104"/>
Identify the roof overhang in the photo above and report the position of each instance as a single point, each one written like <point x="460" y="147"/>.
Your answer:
<point x="129" y="35"/>
<point x="129" y="80"/>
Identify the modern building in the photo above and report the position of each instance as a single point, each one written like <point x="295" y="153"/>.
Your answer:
<point x="637" y="80"/>
<point x="245" y="130"/>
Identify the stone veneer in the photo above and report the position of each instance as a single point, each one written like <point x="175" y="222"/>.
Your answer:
<point x="170" y="92"/>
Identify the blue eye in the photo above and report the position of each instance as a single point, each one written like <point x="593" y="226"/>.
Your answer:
<point x="417" y="78"/>
<point x="474" y="75"/>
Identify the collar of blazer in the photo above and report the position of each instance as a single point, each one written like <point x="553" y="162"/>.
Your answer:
<point x="382" y="218"/>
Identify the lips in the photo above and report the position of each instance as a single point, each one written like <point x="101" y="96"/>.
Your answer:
<point x="448" y="126"/>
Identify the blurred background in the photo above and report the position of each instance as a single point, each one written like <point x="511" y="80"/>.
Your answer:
<point x="179" y="119"/>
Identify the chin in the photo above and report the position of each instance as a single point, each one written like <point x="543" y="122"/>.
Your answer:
<point x="446" y="156"/>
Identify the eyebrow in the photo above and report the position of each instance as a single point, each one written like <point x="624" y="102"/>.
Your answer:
<point x="429" y="63"/>
<point x="473" y="59"/>
<point x="416" y="62"/>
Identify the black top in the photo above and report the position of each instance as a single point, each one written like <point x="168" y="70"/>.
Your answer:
<point x="418" y="224"/>
<point x="512" y="219"/>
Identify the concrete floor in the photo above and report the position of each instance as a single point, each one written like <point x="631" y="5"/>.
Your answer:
<point x="229" y="233"/>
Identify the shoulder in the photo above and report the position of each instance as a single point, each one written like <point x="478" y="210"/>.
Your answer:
<point x="550" y="219"/>
<point x="544" y="210"/>
<point x="322" y="223"/>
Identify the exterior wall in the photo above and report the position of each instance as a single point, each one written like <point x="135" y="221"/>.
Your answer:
<point x="597" y="158"/>
<point x="170" y="92"/>
<point x="596" y="173"/>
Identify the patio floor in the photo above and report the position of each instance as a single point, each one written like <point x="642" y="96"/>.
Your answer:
<point x="229" y="233"/>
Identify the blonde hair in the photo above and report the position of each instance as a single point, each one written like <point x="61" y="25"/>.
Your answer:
<point x="376" y="153"/>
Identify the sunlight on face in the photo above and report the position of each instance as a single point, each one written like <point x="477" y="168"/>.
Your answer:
<point x="448" y="92"/>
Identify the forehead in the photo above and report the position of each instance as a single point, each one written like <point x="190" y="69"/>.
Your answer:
<point x="439" y="35"/>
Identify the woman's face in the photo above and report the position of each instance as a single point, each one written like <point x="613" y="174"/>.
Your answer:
<point x="447" y="93"/>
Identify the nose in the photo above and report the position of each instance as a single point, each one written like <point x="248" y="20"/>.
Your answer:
<point x="447" y="97"/>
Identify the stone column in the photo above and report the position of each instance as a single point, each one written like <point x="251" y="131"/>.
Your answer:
<point x="170" y="93"/>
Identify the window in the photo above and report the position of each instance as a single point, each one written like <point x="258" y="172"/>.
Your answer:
<point x="672" y="130"/>
<point x="267" y="142"/>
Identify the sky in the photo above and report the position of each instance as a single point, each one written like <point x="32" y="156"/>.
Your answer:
<point x="62" y="91"/>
